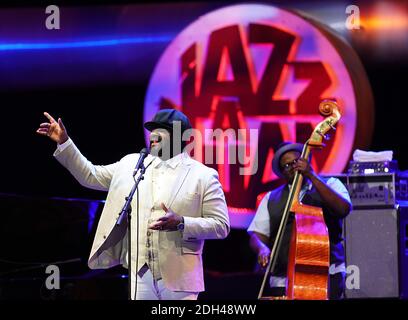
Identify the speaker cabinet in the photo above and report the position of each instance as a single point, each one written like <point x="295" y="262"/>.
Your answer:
<point x="376" y="243"/>
<point x="403" y="249"/>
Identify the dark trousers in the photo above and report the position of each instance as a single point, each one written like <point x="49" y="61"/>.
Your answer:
<point x="337" y="286"/>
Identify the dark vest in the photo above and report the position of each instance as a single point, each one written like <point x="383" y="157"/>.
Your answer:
<point x="276" y="205"/>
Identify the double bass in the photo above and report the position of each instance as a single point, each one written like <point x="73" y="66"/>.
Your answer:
<point x="309" y="251"/>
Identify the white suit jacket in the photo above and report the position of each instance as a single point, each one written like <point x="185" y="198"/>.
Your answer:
<point x="197" y="195"/>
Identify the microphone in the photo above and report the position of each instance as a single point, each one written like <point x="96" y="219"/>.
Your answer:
<point x="143" y="154"/>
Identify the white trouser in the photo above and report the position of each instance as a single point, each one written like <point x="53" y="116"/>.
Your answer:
<point x="150" y="289"/>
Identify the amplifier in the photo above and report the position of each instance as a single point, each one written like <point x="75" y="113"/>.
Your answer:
<point x="370" y="167"/>
<point x="372" y="191"/>
<point x="376" y="242"/>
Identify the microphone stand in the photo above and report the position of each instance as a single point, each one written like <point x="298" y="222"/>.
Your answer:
<point x="127" y="211"/>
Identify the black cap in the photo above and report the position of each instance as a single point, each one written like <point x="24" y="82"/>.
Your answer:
<point x="165" y="119"/>
<point x="280" y="151"/>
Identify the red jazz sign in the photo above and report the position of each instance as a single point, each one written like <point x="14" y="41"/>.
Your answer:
<point x="266" y="69"/>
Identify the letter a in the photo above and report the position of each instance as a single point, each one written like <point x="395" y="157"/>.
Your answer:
<point x="353" y="20"/>
<point x="52" y="281"/>
<point x="53" y="20"/>
<point x="353" y="277"/>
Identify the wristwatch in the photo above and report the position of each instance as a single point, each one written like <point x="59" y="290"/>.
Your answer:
<point x="180" y="226"/>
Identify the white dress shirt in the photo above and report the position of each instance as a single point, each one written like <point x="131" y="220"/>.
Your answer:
<point x="163" y="174"/>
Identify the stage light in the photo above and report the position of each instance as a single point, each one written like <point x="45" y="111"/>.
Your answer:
<point x="83" y="44"/>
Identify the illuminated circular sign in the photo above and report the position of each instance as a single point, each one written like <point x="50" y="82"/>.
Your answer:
<point x="259" y="67"/>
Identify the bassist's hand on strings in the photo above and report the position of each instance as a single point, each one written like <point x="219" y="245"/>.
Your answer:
<point x="304" y="168"/>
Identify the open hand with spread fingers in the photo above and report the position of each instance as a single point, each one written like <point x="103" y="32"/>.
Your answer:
<point x="53" y="129"/>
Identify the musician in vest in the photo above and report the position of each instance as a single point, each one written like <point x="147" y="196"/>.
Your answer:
<point x="181" y="204"/>
<point x="329" y="194"/>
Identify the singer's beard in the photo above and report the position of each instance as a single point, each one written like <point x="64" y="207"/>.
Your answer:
<point x="162" y="145"/>
<point x="156" y="149"/>
<point x="162" y="150"/>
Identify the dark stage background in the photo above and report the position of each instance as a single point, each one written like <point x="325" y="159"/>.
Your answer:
<point x="99" y="93"/>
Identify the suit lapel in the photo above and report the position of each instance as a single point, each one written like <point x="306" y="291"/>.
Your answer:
<point x="182" y="171"/>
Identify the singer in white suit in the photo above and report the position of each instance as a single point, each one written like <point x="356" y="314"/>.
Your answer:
<point x="181" y="204"/>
